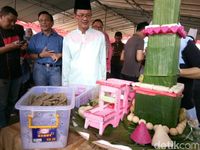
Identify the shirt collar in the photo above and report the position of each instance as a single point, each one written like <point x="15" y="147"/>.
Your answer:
<point x="53" y="33"/>
<point x="80" y="32"/>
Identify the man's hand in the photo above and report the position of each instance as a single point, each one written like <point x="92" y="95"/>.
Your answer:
<point x="10" y="47"/>
<point x="47" y="53"/>
<point x="13" y="46"/>
<point x="56" y="56"/>
<point x="24" y="46"/>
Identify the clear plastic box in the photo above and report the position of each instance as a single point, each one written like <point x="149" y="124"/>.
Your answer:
<point x="45" y="126"/>
<point x="83" y="93"/>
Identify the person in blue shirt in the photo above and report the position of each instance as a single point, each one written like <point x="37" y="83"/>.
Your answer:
<point x="46" y="48"/>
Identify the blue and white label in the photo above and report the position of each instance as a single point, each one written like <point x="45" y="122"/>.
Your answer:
<point x="43" y="135"/>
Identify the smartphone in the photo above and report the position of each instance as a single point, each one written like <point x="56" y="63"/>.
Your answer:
<point x="22" y="42"/>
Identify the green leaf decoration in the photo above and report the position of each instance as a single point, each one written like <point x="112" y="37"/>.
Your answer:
<point x="120" y="135"/>
<point x="158" y="109"/>
<point x="161" y="67"/>
<point x="166" y="11"/>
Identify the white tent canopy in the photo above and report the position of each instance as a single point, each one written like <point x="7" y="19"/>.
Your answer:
<point x="117" y="15"/>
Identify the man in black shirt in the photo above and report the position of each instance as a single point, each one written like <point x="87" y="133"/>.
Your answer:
<point x="10" y="71"/>
<point x="189" y="58"/>
<point x="116" y="64"/>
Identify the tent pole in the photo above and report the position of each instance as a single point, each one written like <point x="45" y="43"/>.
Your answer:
<point x="105" y="22"/>
<point x="15" y="3"/>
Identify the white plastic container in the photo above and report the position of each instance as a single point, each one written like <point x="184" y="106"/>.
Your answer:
<point x="45" y="126"/>
<point x="83" y="93"/>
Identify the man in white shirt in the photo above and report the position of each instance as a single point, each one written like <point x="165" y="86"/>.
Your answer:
<point x="84" y="50"/>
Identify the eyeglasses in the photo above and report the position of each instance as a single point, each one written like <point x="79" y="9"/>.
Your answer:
<point x="84" y="15"/>
<point x="45" y="20"/>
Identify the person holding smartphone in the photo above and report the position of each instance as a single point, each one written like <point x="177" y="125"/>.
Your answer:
<point x="10" y="69"/>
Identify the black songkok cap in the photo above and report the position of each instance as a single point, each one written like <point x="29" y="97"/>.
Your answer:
<point x="82" y="4"/>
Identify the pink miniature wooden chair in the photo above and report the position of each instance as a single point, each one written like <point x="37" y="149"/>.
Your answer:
<point x="111" y="108"/>
<point x="131" y="92"/>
